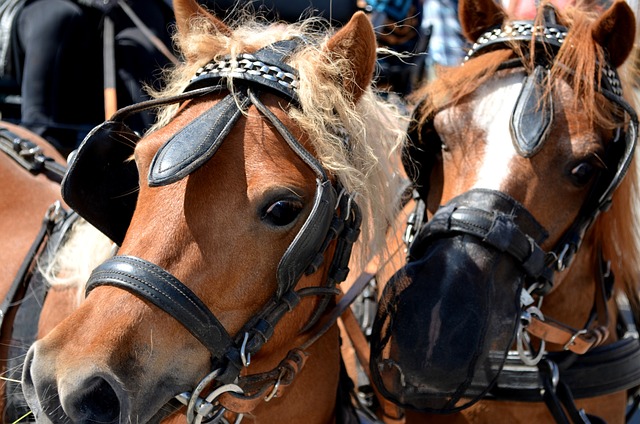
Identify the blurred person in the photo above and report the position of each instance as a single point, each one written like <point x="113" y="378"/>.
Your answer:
<point x="57" y="49"/>
<point x="447" y="45"/>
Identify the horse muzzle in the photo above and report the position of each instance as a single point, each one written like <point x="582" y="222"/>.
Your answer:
<point x="447" y="320"/>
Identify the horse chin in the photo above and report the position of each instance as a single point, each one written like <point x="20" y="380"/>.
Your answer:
<point x="445" y="324"/>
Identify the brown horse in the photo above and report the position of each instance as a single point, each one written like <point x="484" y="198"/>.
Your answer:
<point x="235" y="216"/>
<point x="511" y="306"/>
<point x="34" y="223"/>
<point x="27" y="212"/>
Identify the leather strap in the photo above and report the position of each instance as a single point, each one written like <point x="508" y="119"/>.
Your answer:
<point x="54" y="215"/>
<point x="30" y="156"/>
<point x="152" y="283"/>
<point x="257" y="385"/>
<point x="602" y="370"/>
<point x="490" y="216"/>
<point x="579" y="341"/>
<point x="263" y="387"/>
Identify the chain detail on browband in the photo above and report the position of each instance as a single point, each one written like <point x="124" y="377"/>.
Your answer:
<point x="247" y="63"/>
<point x="518" y="30"/>
<point x="553" y="35"/>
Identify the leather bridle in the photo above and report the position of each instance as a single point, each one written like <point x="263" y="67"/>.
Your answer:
<point x="587" y="367"/>
<point x="334" y="219"/>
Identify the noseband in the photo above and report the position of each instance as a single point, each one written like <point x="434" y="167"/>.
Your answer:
<point x="103" y="158"/>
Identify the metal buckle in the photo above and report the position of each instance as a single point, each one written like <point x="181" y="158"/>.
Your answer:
<point x="274" y="391"/>
<point x="54" y="213"/>
<point x="573" y="338"/>
<point x="199" y="409"/>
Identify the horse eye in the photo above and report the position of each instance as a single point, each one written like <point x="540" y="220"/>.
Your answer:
<point x="582" y="173"/>
<point x="282" y="212"/>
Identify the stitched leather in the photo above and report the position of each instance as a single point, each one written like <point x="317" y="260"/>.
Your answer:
<point x="196" y="143"/>
<point x="532" y="115"/>
<point x="152" y="283"/>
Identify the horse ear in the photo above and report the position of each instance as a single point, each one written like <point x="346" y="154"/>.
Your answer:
<point x="615" y="32"/>
<point x="477" y="16"/>
<point x="357" y="42"/>
<point x="186" y="10"/>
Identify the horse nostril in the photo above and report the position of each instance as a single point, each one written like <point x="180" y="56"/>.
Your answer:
<point x="98" y="403"/>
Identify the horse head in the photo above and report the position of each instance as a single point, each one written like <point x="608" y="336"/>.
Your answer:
<point x="516" y="154"/>
<point x="236" y="216"/>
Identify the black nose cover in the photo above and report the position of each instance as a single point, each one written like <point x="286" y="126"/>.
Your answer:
<point x="447" y="319"/>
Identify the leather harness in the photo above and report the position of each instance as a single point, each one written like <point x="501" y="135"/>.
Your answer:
<point x="585" y="368"/>
<point x="20" y="309"/>
<point x="335" y="217"/>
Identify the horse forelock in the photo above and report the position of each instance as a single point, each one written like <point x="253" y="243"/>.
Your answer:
<point x="367" y="165"/>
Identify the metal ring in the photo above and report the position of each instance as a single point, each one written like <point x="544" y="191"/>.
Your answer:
<point x="216" y="416"/>
<point x="194" y="396"/>
<point x="527" y="356"/>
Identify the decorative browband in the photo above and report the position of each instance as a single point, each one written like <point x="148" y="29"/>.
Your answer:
<point x="553" y="35"/>
<point x="249" y="64"/>
<point x="519" y="30"/>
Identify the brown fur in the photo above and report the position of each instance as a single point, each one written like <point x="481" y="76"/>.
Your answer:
<point x="207" y="230"/>
<point x="24" y="199"/>
<point x="581" y="112"/>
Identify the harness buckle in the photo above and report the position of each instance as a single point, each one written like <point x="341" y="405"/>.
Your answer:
<point x="573" y="338"/>
<point x="274" y="391"/>
<point x="244" y="356"/>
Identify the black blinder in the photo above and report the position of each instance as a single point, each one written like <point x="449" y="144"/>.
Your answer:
<point x="101" y="183"/>
<point x="532" y="115"/>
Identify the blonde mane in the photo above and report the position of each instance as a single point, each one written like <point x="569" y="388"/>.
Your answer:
<point x="84" y="249"/>
<point x="369" y="166"/>
<point x="617" y="230"/>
